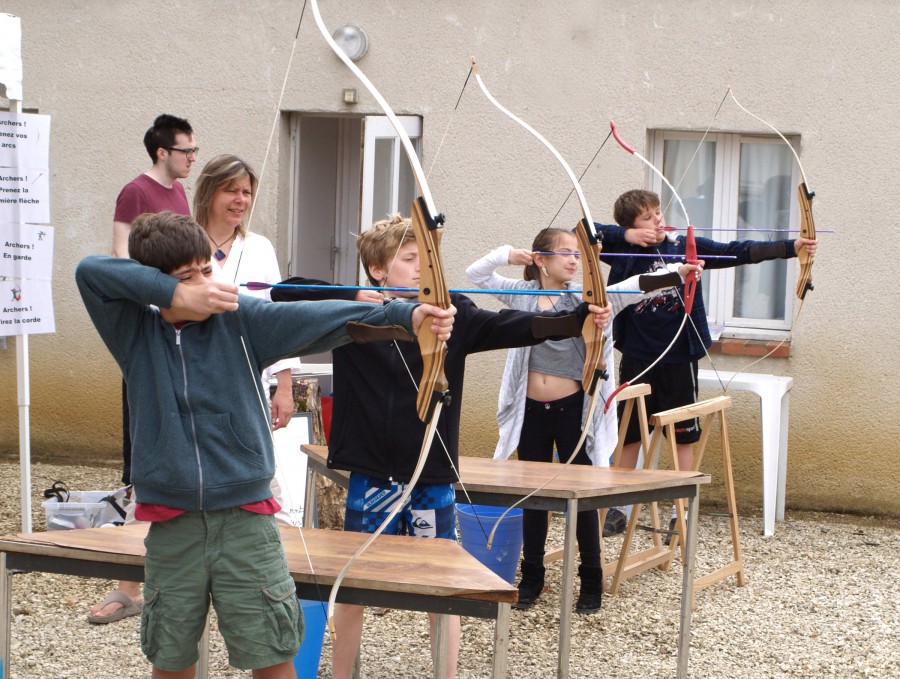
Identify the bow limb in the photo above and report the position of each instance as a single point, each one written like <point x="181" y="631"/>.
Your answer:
<point x="426" y="221"/>
<point x="804" y="197"/>
<point x="593" y="291"/>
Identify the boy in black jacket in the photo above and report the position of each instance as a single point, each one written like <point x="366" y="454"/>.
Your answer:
<point x="375" y="432"/>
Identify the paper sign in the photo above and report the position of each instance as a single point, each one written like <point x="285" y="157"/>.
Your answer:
<point x="24" y="140"/>
<point x="11" y="55"/>
<point x="24" y="195"/>
<point x="26" y="307"/>
<point x="290" y="465"/>
<point x="26" y="251"/>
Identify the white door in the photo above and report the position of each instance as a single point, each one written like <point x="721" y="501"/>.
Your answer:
<point x="361" y="164"/>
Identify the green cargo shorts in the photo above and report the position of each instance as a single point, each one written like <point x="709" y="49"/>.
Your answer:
<point x="234" y="558"/>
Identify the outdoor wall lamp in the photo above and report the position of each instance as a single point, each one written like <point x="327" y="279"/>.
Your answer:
<point x="352" y="40"/>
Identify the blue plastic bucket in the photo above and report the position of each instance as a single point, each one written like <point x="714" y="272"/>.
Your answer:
<point x="306" y="662"/>
<point x="475" y="525"/>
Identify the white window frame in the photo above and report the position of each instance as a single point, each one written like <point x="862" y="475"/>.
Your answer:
<point x="719" y="284"/>
<point x="379" y="127"/>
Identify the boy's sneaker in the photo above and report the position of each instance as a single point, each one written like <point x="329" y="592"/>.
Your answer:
<point x="615" y="522"/>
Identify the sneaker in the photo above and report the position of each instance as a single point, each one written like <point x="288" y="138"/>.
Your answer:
<point x="668" y="539"/>
<point x="615" y="522"/>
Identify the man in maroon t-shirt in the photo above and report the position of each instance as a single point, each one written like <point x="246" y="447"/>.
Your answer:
<point x="170" y="145"/>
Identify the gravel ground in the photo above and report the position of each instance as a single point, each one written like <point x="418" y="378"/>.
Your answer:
<point x="818" y="603"/>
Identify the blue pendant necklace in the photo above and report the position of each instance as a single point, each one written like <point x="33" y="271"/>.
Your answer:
<point x="219" y="253"/>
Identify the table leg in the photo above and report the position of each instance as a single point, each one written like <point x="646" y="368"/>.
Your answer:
<point x="5" y="608"/>
<point x="782" y="456"/>
<point x="687" y="586"/>
<point x="203" y="662"/>
<point x="770" y="407"/>
<point x="566" y="589"/>
<point x="310" y="508"/>
<point x="501" y="642"/>
<point x="441" y="643"/>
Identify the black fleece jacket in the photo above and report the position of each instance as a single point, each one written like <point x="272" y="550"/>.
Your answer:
<point x="374" y="426"/>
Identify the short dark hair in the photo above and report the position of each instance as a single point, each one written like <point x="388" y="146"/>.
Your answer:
<point x="167" y="241"/>
<point x="162" y="133"/>
<point x="631" y="204"/>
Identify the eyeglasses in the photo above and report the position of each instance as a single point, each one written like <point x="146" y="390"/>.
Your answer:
<point x="188" y="152"/>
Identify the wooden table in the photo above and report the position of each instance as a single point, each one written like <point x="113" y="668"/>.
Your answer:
<point x="578" y="488"/>
<point x="436" y="576"/>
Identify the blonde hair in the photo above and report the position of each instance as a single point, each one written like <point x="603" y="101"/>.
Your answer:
<point x="378" y="245"/>
<point x="220" y="173"/>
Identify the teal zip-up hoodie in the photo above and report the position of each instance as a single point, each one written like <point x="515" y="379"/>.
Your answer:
<point x="199" y="422"/>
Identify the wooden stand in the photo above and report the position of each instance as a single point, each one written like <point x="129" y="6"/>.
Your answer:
<point x="657" y="555"/>
<point x="712" y="408"/>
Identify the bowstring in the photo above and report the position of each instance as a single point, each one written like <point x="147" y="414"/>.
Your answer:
<point x="401" y="242"/>
<point x="441" y="440"/>
<point x="674" y="190"/>
<point x="449" y="122"/>
<point x="257" y="381"/>
<point x="262" y="170"/>
<point x="257" y="377"/>
<point x="430" y="168"/>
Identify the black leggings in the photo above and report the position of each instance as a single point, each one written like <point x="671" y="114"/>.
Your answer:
<point x="547" y="423"/>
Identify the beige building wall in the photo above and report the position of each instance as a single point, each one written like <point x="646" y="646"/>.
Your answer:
<point x="823" y="70"/>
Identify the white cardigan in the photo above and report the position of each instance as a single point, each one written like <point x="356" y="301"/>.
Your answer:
<point x="603" y="435"/>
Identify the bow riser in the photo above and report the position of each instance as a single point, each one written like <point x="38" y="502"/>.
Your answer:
<point x="594" y="292"/>
<point x="690" y="256"/>
<point x="433" y="290"/>
<point x="807" y="230"/>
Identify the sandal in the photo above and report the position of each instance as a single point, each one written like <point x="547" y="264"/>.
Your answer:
<point x="128" y="608"/>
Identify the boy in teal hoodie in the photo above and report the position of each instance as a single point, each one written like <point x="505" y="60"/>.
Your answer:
<point x="191" y="353"/>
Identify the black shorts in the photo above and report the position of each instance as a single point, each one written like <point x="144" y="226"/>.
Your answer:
<point x="673" y="385"/>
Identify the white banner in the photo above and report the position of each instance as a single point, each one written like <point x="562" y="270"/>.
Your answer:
<point x="11" y="55"/>
<point x="24" y="195"/>
<point x="26" y="307"/>
<point x="24" y="140"/>
<point x="26" y="251"/>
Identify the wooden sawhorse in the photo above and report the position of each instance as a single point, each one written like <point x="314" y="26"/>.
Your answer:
<point x="632" y="564"/>
<point x="657" y="555"/>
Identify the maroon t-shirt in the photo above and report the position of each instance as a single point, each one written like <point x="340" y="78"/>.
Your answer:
<point x="143" y="194"/>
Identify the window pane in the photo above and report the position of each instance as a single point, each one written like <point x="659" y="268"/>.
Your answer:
<point x="691" y="167"/>
<point x="764" y="202"/>
<point x="407" y="190"/>
<point x="384" y="177"/>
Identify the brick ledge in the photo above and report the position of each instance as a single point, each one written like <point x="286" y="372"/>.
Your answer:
<point x="750" y="347"/>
